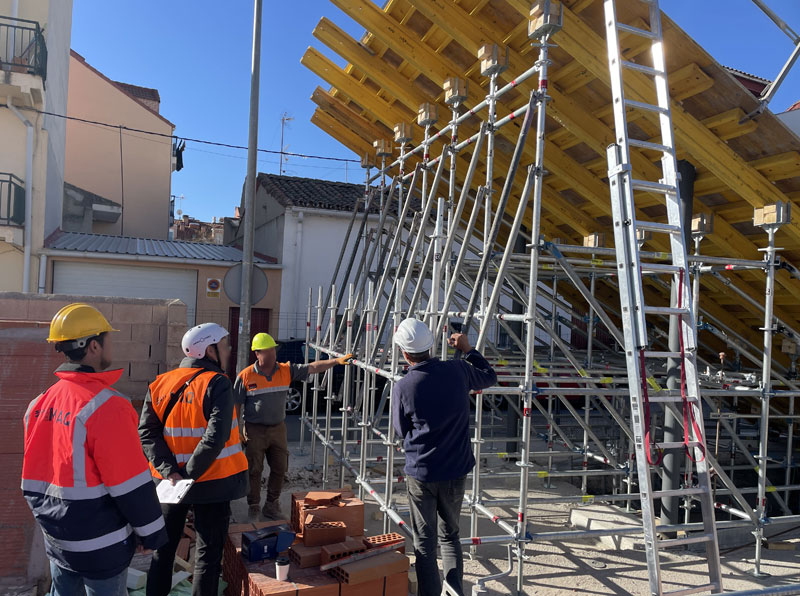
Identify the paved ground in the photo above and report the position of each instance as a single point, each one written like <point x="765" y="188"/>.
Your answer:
<point x="579" y="567"/>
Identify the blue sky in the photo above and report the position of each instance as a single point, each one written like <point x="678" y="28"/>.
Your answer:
<point x="197" y="54"/>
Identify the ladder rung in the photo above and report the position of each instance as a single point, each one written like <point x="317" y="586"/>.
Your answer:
<point x="655" y="226"/>
<point x="665" y="310"/>
<point x="712" y="587"/>
<point x="651" y="186"/>
<point x="651" y="146"/>
<point x="662" y="354"/>
<point x="677" y="445"/>
<point x="660" y="397"/>
<point x="678" y="492"/>
<point x="645" y="69"/>
<point x="686" y="540"/>
<point x="636" y="31"/>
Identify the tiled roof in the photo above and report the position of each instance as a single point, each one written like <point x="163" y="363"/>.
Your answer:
<point x="124" y="245"/>
<point x="744" y="74"/>
<point x="312" y="193"/>
<point x="139" y="92"/>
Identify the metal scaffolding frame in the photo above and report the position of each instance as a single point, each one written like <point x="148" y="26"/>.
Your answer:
<point x="428" y="257"/>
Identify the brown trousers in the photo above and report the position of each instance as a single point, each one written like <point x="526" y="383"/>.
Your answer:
<point x="270" y="442"/>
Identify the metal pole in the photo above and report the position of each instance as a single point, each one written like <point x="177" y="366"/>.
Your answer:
<point x="329" y="393"/>
<point x="304" y="398"/>
<point x="248" y="218"/>
<point x="315" y="399"/>
<point x="348" y="347"/>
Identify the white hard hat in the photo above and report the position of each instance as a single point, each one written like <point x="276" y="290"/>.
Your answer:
<point x="413" y="336"/>
<point x="197" y="339"/>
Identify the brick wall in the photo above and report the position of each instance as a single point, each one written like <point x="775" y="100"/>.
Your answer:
<point x="148" y="343"/>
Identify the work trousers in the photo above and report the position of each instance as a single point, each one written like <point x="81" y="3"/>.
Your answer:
<point x="436" y="505"/>
<point x="270" y="442"/>
<point x="211" y="526"/>
<point x="69" y="583"/>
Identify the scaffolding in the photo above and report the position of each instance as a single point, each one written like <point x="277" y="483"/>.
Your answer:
<point x="458" y="255"/>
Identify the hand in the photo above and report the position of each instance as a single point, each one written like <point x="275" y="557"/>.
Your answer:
<point x="243" y="434"/>
<point x="174" y="478"/>
<point x="459" y="341"/>
<point x="346" y="359"/>
<point x="140" y="550"/>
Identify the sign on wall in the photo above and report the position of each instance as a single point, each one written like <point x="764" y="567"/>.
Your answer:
<point x="213" y="286"/>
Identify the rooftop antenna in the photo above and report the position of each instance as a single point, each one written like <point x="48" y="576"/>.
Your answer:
<point x="284" y="119"/>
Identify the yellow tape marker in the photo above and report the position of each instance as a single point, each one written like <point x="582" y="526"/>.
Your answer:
<point x="502" y="454"/>
<point x="605" y="380"/>
<point x="653" y="383"/>
<point x="587" y="498"/>
<point x="663" y="255"/>
<point x="547" y="267"/>
<point x="597" y="261"/>
<point x="539" y="369"/>
<point x="542" y="474"/>
<point x="582" y="372"/>
<point x="771" y="489"/>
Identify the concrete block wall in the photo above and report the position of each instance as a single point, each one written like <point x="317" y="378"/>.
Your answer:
<point x="147" y="344"/>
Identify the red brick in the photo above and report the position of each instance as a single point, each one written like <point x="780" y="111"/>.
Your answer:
<point x="373" y="587"/>
<point x="322" y="533"/>
<point x="386" y="539"/>
<point x="305" y="556"/>
<point x="350" y="511"/>
<point x="371" y="568"/>
<point x="334" y="552"/>
<point x="396" y="584"/>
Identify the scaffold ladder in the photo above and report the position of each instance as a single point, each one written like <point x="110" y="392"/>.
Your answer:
<point x="627" y="230"/>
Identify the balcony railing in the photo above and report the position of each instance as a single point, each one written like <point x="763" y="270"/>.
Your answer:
<point x="12" y="200"/>
<point x="22" y="47"/>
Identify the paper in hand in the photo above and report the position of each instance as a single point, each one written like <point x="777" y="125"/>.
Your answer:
<point x="170" y="494"/>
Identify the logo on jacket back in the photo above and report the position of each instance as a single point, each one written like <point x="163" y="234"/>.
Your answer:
<point x="253" y="386"/>
<point x="51" y="415"/>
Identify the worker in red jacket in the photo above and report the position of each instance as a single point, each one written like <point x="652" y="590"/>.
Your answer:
<point x="84" y="475"/>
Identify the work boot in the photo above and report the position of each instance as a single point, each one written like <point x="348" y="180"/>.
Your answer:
<point x="252" y="513"/>
<point x="272" y="510"/>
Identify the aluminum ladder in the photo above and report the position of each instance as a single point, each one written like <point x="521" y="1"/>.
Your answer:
<point x="627" y="230"/>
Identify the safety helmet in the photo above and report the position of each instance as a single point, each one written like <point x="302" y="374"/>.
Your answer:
<point x="77" y="323"/>
<point x="262" y="341"/>
<point x="413" y="336"/>
<point x="197" y="339"/>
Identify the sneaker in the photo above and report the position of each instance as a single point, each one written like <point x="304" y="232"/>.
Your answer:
<point x="272" y="510"/>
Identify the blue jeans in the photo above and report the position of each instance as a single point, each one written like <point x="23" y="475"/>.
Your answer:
<point x="436" y="506"/>
<point x="69" y="583"/>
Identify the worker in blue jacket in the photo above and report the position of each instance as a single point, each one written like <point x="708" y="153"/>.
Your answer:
<point x="431" y="411"/>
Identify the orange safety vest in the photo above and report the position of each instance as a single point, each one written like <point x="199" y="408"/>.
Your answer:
<point x="186" y="424"/>
<point x="257" y="384"/>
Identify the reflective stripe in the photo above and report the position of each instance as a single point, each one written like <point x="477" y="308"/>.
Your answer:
<point x="150" y="528"/>
<point x="85" y="546"/>
<point x="30" y="407"/>
<point x="267" y="390"/>
<point x="67" y="493"/>
<point x="226" y="452"/>
<point x="130" y="484"/>
<point x="79" y="436"/>
<point x="177" y="431"/>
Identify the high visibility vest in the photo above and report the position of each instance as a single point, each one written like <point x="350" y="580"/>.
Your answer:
<point x="257" y="384"/>
<point x="186" y="423"/>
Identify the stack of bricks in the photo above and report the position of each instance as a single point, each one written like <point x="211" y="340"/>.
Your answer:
<point x="329" y="531"/>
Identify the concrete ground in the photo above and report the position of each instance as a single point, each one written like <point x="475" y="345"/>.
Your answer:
<point x="583" y="566"/>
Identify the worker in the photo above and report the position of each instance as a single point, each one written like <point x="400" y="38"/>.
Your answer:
<point x="189" y="430"/>
<point x="431" y="411"/>
<point x="83" y="472"/>
<point x="261" y="391"/>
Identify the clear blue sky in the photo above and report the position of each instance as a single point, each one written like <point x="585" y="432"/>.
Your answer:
<point x="197" y="54"/>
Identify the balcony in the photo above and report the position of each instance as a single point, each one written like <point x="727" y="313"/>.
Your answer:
<point x="23" y="60"/>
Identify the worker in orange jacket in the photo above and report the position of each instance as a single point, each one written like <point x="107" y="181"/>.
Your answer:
<point x="261" y="390"/>
<point x="83" y="472"/>
<point x="189" y="429"/>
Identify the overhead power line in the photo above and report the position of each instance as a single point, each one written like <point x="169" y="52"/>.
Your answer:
<point x="188" y="139"/>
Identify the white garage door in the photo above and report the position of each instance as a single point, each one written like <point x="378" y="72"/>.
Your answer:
<point x="95" y="279"/>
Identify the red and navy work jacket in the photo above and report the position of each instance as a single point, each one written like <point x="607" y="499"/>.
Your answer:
<point x="85" y="477"/>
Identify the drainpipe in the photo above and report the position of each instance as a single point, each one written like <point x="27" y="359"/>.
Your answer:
<point x="42" y="274"/>
<point x="26" y="272"/>
<point x="298" y="253"/>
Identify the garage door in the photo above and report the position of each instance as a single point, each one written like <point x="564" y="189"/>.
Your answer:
<point x="94" y="279"/>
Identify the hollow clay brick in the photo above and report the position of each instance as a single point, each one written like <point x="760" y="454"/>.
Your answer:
<point x="324" y="532"/>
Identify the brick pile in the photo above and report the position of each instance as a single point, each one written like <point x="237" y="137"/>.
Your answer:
<point x="326" y="523"/>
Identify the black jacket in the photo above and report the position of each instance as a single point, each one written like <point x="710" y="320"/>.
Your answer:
<point x="218" y="410"/>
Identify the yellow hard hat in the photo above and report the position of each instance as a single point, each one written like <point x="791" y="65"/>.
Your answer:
<point x="263" y="341"/>
<point x="77" y="321"/>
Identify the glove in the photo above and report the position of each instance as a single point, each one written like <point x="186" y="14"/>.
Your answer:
<point x="346" y="359"/>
